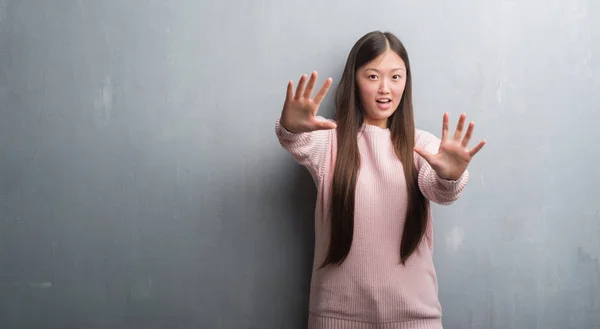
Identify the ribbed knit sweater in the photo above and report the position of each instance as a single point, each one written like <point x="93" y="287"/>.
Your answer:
<point x="372" y="289"/>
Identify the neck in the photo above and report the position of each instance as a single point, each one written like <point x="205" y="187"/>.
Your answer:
<point x="378" y="123"/>
<point x="374" y="128"/>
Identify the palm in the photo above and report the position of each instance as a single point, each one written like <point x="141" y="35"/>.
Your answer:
<point x="453" y="156"/>
<point x="300" y="110"/>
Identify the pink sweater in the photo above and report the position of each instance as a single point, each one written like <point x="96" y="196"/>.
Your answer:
<point x="372" y="289"/>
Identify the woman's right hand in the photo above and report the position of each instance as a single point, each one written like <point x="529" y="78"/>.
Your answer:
<point x="299" y="110"/>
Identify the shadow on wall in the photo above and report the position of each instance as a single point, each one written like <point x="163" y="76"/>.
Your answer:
<point x="299" y="201"/>
<point x="301" y="194"/>
<point x="286" y="247"/>
<point x="302" y="199"/>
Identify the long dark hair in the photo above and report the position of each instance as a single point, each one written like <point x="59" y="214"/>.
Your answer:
<point x="350" y="117"/>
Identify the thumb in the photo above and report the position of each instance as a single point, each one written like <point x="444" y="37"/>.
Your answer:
<point x="426" y="155"/>
<point x="325" y="125"/>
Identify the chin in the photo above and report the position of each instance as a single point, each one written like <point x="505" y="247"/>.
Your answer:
<point x="377" y="119"/>
<point x="376" y="114"/>
<point x="383" y="115"/>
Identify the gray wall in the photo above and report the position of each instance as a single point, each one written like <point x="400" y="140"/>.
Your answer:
<point x="142" y="186"/>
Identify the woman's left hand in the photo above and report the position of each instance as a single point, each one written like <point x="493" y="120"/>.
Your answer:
<point x="453" y="157"/>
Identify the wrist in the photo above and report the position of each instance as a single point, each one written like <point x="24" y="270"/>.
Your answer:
<point x="286" y="125"/>
<point x="450" y="178"/>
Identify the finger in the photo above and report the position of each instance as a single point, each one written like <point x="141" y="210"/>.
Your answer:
<point x="468" y="135"/>
<point x="310" y="86"/>
<point x="325" y="125"/>
<point x="290" y="91"/>
<point x="459" y="127"/>
<point x="323" y="91"/>
<point x="300" y="87"/>
<point x="445" y="126"/>
<point x="477" y="148"/>
<point x="423" y="153"/>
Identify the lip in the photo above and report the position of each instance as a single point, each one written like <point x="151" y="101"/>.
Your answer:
<point x="384" y="106"/>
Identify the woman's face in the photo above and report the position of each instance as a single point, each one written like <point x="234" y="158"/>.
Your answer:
<point x="381" y="85"/>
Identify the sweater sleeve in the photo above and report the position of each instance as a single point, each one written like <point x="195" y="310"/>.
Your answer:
<point x="308" y="149"/>
<point x="433" y="187"/>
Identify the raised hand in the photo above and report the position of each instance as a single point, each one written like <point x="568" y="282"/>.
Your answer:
<point x="299" y="110"/>
<point x="453" y="157"/>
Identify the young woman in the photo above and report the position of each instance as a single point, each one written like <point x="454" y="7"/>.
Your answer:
<point x="375" y="174"/>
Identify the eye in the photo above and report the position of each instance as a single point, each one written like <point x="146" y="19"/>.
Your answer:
<point x="372" y="76"/>
<point x="397" y="77"/>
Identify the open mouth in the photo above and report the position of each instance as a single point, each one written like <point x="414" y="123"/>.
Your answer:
<point x="384" y="100"/>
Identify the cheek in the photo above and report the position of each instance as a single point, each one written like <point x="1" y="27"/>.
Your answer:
<point x="398" y="92"/>
<point x="368" y="92"/>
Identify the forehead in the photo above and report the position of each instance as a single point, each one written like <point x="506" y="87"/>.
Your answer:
<point x="388" y="61"/>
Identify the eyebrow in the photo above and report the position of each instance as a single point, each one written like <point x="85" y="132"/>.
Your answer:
<point x="396" y="69"/>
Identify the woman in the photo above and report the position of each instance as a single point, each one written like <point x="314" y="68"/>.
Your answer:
<point x="376" y="175"/>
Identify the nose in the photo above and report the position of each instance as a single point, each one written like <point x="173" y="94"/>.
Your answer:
<point x="384" y="87"/>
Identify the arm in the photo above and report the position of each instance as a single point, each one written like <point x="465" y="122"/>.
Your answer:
<point x="309" y="149"/>
<point x="442" y="164"/>
<point x="435" y="188"/>
<point x="303" y="134"/>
